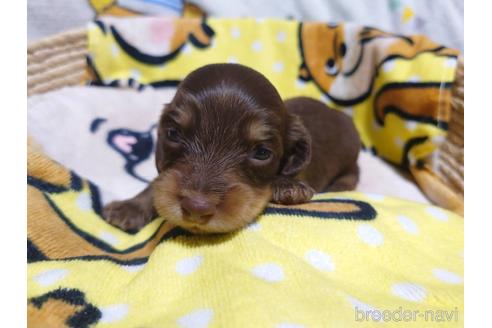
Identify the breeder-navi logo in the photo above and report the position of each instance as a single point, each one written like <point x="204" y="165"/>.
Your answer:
<point x="406" y="315"/>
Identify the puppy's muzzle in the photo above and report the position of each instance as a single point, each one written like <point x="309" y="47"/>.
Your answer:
<point x="197" y="209"/>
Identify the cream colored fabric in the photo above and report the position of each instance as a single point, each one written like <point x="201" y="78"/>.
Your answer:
<point x="60" y="122"/>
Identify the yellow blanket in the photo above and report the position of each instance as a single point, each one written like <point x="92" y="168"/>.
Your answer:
<point x="345" y="259"/>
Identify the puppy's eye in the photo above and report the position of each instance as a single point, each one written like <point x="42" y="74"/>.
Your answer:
<point x="262" y="154"/>
<point x="172" y="134"/>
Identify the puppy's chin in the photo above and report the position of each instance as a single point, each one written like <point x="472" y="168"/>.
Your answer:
<point x="239" y="207"/>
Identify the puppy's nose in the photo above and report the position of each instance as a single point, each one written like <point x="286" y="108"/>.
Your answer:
<point x="197" y="209"/>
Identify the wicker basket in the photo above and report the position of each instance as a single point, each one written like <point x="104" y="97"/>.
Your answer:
<point x="442" y="178"/>
<point x="60" y="61"/>
<point x="56" y="62"/>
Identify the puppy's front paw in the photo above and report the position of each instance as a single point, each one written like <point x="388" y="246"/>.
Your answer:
<point x="287" y="191"/>
<point x="127" y="215"/>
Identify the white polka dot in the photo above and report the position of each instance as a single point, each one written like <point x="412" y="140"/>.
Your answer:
<point x="114" y="313"/>
<point x="409" y="291"/>
<point x="84" y="202"/>
<point x="376" y="197"/>
<point x="451" y="62"/>
<point x="462" y="254"/>
<point x="109" y="238"/>
<point x="278" y="67"/>
<point x="189" y="265"/>
<point x="414" y="78"/>
<point x="289" y="325"/>
<point x="437" y="213"/>
<point x="300" y="84"/>
<point x="260" y="20"/>
<point x="133" y="268"/>
<point x="257" y="46"/>
<point x="213" y="43"/>
<point x="411" y="125"/>
<point x="186" y="49"/>
<point x="232" y="60"/>
<point x="447" y="276"/>
<point x="281" y="36"/>
<point x="114" y="50"/>
<point x="361" y="306"/>
<point x="50" y="277"/>
<point x="269" y="272"/>
<point x="319" y="260"/>
<point x="235" y="32"/>
<point x="388" y="66"/>
<point x="408" y="225"/>
<point x="398" y="142"/>
<point x="196" y="319"/>
<point x="255" y="226"/>
<point x="370" y="235"/>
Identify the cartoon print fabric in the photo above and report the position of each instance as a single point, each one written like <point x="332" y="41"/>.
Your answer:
<point x="397" y="88"/>
<point x="107" y="135"/>
<point x="312" y="265"/>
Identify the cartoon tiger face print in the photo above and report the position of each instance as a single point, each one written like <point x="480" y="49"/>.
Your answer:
<point x="342" y="60"/>
<point x="323" y="61"/>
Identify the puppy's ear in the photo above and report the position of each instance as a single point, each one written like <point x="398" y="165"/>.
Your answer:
<point x="297" y="147"/>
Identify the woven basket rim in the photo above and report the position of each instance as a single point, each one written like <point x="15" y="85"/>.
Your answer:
<point x="56" y="38"/>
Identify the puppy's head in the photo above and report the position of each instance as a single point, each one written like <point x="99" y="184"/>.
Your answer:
<point x="224" y="138"/>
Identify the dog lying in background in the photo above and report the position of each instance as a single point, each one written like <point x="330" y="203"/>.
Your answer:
<point x="227" y="145"/>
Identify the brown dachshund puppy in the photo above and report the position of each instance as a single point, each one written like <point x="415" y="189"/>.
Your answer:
<point x="227" y="145"/>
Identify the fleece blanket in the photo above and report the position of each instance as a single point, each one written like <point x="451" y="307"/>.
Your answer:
<point x="344" y="259"/>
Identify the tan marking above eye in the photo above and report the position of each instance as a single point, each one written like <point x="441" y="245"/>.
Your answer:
<point x="182" y="117"/>
<point x="258" y="130"/>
